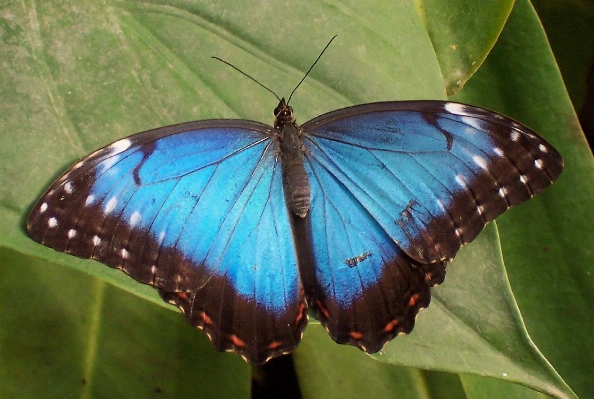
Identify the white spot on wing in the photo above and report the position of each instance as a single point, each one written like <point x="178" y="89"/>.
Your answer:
<point x="515" y="136"/>
<point x="161" y="237"/>
<point x="460" y="180"/>
<point x="111" y="204"/>
<point x="135" y="218"/>
<point x="119" y="146"/>
<point x="502" y="192"/>
<point x="498" y="151"/>
<point x="43" y="207"/>
<point x="523" y="179"/>
<point x="71" y="233"/>
<point x="543" y="148"/>
<point x="96" y="240"/>
<point x="68" y="187"/>
<point x="538" y="163"/>
<point x="455" y="108"/>
<point x="124" y="253"/>
<point x="480" y="161"/>
<point x="52" y="222"/>
<point x="90" y="199"/>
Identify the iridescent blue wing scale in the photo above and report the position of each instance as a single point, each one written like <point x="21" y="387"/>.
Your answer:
<point x="397" y="189"/>
<point x="198" y="211"/>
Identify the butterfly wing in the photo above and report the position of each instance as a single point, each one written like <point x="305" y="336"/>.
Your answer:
<point x="198" y="211"/>
<point x="432" y="173"/>
<point x="364" y="289"/>
<point x="397" y="189"/>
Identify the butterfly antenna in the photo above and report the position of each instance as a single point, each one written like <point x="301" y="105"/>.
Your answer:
<point x="246" y="75"/>
<point x="311" y="67"/>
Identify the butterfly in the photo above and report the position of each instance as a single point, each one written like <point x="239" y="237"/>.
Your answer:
<point x="246" y="226"/>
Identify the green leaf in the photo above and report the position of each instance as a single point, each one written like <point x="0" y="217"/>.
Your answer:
<point x="462" y="35"/>
<point x="75" y="77"/>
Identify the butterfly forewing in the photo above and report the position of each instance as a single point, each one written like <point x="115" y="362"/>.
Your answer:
<point x="431" y="173"/>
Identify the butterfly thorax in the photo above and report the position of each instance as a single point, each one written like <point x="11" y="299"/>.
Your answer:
<point x="295" y="182"/>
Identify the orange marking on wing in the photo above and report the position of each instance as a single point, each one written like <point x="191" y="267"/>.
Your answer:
<point x="391" y="326"/>
<point x="207" y="320"/>
<point x="183" y="296"/>
<point x="356" y="335"/>
<point x="301" y="314"/>
<point x="323" y="309"/>
<point x="274" y="345"/>
<point x="236" y="341"/>
<point x="413" y="300"/>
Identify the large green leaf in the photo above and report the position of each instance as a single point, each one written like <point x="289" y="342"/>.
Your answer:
<point x="77" y="76"/>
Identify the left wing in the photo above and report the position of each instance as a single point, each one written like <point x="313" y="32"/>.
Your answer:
<point x="196" y="210"/>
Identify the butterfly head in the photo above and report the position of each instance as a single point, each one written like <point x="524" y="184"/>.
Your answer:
<point x="283" y="114"/>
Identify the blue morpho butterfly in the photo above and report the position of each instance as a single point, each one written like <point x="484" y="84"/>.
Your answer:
<point x="244" y="226"/>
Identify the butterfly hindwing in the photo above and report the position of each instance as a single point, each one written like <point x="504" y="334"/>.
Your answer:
<point x="431" y="173"/>
<point x="198" y="211"/>
<point x="364" y="288"/>
<point x="397" y="189"/>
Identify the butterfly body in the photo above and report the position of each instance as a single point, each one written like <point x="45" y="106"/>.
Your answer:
<point x="295" y="181"/>
<point x="243" y="226"/>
